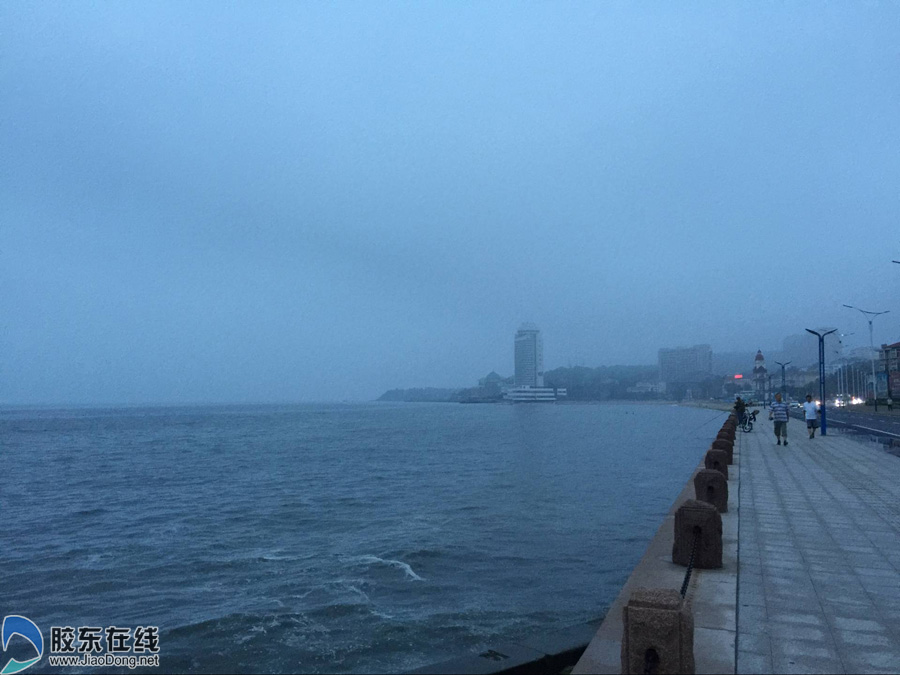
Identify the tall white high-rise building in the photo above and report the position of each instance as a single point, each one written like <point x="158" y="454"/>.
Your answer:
<point x="529" y="356"/>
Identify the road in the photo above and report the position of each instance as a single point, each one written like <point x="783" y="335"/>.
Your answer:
<point x="882" y="421"/>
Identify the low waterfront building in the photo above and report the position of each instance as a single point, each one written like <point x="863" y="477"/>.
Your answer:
<point x="533" y="394"/>
<point x="645" y="388"/>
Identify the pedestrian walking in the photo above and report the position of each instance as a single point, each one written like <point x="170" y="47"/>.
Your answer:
<point x="890" y="403"/>
<point x="810" y="410"/>
<point x="779" y="412"/>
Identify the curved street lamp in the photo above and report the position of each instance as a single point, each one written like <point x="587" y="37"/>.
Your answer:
<point x="842" y="362"/>
<point x="870" y="317"/>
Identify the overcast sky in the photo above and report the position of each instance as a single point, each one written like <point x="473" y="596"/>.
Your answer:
<point x="308" y="201"/>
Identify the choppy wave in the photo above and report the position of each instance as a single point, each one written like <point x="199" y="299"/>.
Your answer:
<point x="375" y="560"/>
<point x="324" y="539"/>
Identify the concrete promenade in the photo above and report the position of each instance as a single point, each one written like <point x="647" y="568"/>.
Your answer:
<point x="819" y="554"/>
<point x="814" y="527"/>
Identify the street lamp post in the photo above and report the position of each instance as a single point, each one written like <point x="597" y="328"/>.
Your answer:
<point x="821" y="337"/>
<point x="842" y="388"/>
<point x="782" y="375"/>
<point x="842" y="375"/>
<point x="870" y="317"/>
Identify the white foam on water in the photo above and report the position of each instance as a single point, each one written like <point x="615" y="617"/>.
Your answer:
<point x="410" y="573"/>
<point x="359" y="592"/>
<point x="338" y="586"/>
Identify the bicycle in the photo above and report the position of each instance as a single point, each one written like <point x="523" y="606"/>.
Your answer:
<point x="747" y="422"/>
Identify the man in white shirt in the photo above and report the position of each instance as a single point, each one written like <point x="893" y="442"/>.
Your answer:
<point x="810" y="409"/>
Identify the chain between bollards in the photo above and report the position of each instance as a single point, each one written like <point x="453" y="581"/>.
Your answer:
<point x="690" y="567"/>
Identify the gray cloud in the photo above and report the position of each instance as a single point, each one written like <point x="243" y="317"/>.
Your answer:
<point x="311" y="202"/>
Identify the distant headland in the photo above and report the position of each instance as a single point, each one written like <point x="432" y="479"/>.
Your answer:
<point x="583" y="384"/>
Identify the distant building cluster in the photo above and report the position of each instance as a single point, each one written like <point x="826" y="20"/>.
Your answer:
<point x="682" y="373"/>
<point x="889" y="364"/>
<point x="689" y="372"/>
<point x="527" y="383"/>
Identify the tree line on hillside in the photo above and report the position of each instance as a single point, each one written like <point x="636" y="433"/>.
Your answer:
<point x="419" y="395"/>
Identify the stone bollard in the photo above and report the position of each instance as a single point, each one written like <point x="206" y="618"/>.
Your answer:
<point x="725" y="436"/>
<point x="727" y="446"/>
<point x="718" y="460"/>
<point x="693" y="519"/>
<point x="728" y="430"/>
<point x="711" y="487"/>
<point x="658" y="635"/>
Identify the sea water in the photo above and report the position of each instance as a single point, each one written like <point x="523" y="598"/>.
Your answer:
<point x="333" y="538"/>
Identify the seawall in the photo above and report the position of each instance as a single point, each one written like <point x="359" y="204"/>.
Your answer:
<point x="712" y="594"/>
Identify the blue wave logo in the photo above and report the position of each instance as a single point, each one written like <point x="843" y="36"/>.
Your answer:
<point x="26" y="628"/>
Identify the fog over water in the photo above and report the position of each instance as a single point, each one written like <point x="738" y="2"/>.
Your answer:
<point x="296" y="202"/>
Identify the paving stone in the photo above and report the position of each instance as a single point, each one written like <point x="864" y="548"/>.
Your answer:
<point x="800" y="603"/>
<point x="873" y="661"/>
<point x="852" y="638"/>
<point x="752" y="662"/>
<point x="859" y="610"/>
<point x="838" y="601"/>
<point x="859" y="625"/>
<point x="797" y="631"/>
<point x="750" y="613"/>
<point x="799" y="649"/>
<point x="797" y="618"/>
<point x="747" y="597"/>
<point x="888" y="574"/>
<point x="807" y="664"/>
<point x="754" y="642"/>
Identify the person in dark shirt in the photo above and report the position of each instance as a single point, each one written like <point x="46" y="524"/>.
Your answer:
<point x="740" y="408"/>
